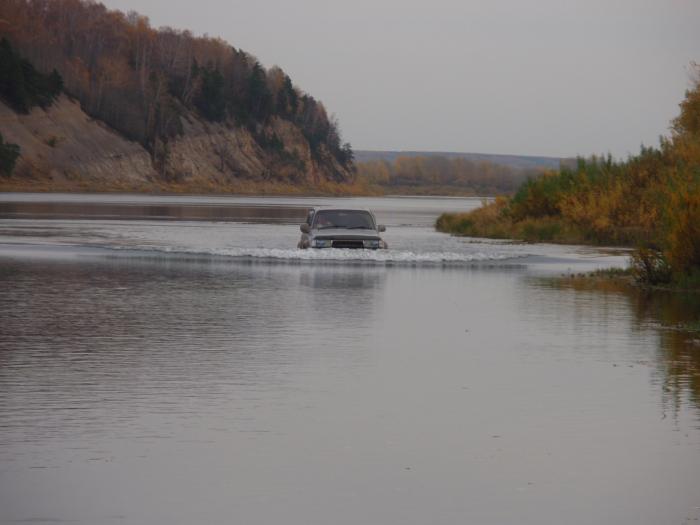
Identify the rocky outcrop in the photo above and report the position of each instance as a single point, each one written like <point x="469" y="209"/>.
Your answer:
<point x="214" y="153"/>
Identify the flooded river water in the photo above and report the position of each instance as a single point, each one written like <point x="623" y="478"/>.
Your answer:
<point x="176" y="360"/>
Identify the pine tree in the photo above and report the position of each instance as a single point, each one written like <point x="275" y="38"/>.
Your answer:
<point x="211" y="100"/>
<point x="259" y="96"/>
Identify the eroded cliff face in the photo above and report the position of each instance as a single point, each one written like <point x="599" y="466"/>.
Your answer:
<point x="63" y="148"/>
<point x="213" y="153"/>
<point x="62" y="144"/>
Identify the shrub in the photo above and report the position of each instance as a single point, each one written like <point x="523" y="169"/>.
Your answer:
<point x="488" y="221"/>
<point x="650" y="267"/>
<point x="533" y="230"/>
<point x="683" y="226"/>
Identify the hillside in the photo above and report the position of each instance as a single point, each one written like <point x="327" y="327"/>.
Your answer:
<point x="520" y="162"/>
<point x="97" y="99"/>
<point x="62" y="148"/>
<point x="442" y="175"/>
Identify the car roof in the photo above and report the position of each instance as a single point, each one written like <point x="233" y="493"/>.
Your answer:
<point x="339" y="208"/>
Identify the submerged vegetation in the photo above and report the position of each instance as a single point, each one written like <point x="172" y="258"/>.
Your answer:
<point x="650" y="201"/>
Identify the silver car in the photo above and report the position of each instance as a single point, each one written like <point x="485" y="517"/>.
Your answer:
<point x="341" y="228"/>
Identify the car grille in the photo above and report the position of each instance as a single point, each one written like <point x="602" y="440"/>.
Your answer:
<point x="346" y="243"/>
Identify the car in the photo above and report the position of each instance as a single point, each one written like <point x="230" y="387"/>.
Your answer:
<point x="331" y="227"/>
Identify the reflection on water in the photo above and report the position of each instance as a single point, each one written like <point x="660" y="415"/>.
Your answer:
<point x="432" y="390"/>
<point x="389" y="210"/>
<point x="122" y="211"/>
<point x="90" y="339"/>
<point x="678" y="359"/>
<point x="666" y="314"/>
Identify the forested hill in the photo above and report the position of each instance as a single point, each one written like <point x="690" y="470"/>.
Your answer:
<point x="204" y="113"/>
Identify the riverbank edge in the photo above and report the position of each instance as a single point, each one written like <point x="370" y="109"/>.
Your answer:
<point x="623" y="278"/>
<point x="242" y="188"/>
<point x="246" y="188"/>
<point x="486" y="222"/>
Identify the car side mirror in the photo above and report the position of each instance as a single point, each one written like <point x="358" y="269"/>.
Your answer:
<point x="381" y="228"/>
<point x="305" y="228"/>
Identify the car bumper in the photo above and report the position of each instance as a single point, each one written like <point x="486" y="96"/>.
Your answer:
<point x="347" y="244"/>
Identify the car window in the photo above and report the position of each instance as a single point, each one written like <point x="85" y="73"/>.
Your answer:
<point x="351" y="219"/>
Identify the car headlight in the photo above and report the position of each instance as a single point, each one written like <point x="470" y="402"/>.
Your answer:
<point x="372" y="244"/>
<point x="322" y="243"/>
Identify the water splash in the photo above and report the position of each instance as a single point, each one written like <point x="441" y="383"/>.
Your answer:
<point x="330" y="255"/>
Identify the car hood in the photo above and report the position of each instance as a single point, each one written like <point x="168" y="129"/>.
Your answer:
<point x="344" y="233"/>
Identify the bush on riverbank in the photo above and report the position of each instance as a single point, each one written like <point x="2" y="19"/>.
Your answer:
<point x="494" y="220"/>
<point x="651" y="201"/>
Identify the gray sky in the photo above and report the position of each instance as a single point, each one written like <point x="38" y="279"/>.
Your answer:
<point x="544" y="77"/>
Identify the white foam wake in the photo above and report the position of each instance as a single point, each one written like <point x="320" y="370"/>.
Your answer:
<point x="334" y="255"/>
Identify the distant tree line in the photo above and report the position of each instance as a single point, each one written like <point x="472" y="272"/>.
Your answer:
<point x="141" y="81"/>
<point x="424" y="172"/>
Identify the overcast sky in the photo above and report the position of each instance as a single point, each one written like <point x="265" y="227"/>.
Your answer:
<point x="544" y="77"/>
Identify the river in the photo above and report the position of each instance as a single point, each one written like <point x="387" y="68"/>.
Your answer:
<point x="176" y="360"/>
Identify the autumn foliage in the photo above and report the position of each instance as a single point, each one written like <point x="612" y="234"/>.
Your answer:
<point x="651" y="200"/>
<point x="143" y="81"/>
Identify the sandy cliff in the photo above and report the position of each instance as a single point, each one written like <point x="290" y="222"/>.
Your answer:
<point x="65" y="146"/>
<point x="62" y="148"/>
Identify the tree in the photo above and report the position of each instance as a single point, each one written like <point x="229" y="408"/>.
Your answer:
<point x="211" y="100"/>
<point x="260" y="98"/>
<point x="291" y="94"/>
<point x="8" y="156"/>
<point x="347" y="156"/>
<point x="12" y="84"/>
<point x="688" y="122"/>
<point x="287" y="99"/>
<point x="22" y="86"/>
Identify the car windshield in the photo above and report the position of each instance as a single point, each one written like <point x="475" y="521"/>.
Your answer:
<point x="350" y="219"/>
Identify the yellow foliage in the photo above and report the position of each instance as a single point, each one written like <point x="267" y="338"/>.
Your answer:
<point x="683" y="238"/>
<point x="652" y="200"/>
